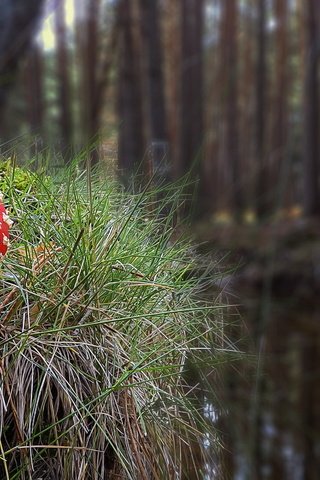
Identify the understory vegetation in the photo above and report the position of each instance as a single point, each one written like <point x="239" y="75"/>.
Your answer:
<point x="101" y="311"/>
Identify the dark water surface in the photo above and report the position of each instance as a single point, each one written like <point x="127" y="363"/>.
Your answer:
<point x="270" y="415"/>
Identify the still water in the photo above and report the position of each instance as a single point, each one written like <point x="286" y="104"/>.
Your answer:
<point x="269" y="411"/>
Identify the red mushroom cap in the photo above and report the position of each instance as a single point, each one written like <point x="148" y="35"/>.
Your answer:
<point x="5" y="224"/>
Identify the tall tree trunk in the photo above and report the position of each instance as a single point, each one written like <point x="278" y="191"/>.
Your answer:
<point x="231" y="104"/>
<point x="64" y="92"/>
<point x="95" y="56"/>
<point x="281" y="95"/>
<point x="80" y="123"/>
<point x="18" y="21"/>
<point x="92" y="58"/>
<point x="129" y="95"/>
<point x="153" y="80"/>
<point x="172" y="60"/>
<point x="261" y="85"/>
<point x="312" y="150"/>
<point x="246" y="115"/>
<point x="191" y="110"/>
<point x="211" y="198"/>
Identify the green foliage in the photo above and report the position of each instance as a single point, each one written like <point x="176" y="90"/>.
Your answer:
<point x="12" y="176"/>
<point x="99" y="312"/>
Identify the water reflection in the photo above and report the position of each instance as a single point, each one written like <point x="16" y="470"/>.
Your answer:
<point x="271" y="401"/>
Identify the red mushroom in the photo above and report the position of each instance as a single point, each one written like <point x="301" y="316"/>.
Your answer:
<point x="5" y="224"/>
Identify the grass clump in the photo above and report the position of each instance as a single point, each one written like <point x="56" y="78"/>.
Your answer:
<point x="98" y="316"/>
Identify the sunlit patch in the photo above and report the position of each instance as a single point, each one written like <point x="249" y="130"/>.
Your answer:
<point x="46" y="35"/>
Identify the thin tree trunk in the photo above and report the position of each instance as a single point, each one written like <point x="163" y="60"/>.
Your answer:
<point x="312" y="150"/>
<point x="129" y="93"/>
<point x="93" y="125"/>
<point x="152" y="72"/>
<point x="261" y="85"/>
<point x="96" y="57"/>
<point x="231" y="104"/>
<point x="246" y="128"/>
<point x="213" y="183"/>
<point x="191" y="112"/>
<point x="18" y="21"/>
<point x="210" y="195"/>
<point x="172" y="61"/>
<point x="64" y="92"/>
<point x="209" y="175"/>
<point x="281" y="95"/>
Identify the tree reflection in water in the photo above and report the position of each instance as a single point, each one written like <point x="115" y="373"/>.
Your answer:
<point x="270" y="420"/>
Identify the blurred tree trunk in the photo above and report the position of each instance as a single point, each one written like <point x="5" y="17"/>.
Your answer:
<point x="88" y="42"/>
<point x="220" y="178"/>
<point x="63" y="71"/>
<point x="280" y="121"/>
<point x="230" y="12"/>
<point x="18" y="21"/>
<point x="92" y="58"/>
<point x="35" y="96"/>
<point x="261" y="85"/>
<point x="152" y="77"/>
<point x="246" y="120"/>
<point x="210" y="197"/>
<point x="191" y="109"/>
<point x="312" y="150"/>
<point x="129" y="94"/>
<point x="96" y="49"/>
<point x="172" y="61"/>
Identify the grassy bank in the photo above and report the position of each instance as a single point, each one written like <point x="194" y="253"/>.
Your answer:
<point x="99" y="312"/>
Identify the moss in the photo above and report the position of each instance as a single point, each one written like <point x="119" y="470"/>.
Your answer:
<point x="13" y="176"/>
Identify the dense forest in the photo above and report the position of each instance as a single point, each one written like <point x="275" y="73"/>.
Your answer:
<point x="227" y="89"/>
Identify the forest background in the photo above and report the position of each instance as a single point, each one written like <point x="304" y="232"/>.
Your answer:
<point x="226" y="88"/>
